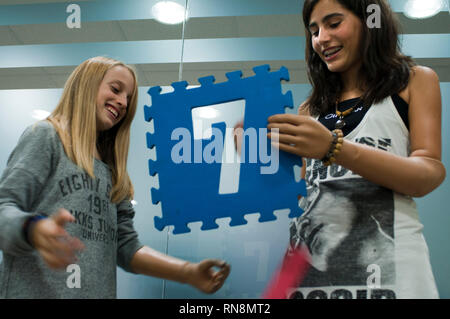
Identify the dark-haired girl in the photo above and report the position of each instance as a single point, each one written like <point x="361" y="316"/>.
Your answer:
<point x="370" y="136"/>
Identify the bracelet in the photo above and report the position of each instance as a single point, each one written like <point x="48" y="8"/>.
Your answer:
<point x="27" y="226"/>
<point x="335" y="147"/>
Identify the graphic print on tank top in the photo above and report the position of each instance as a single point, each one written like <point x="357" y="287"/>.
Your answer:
<point x="349" y="230"/>
<point x="365" y="241"/>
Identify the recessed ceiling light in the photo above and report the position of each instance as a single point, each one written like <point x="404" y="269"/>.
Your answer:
<point x="169" y="12"/>
<point x="39" y="114"/>
<point x="421" y="9"/>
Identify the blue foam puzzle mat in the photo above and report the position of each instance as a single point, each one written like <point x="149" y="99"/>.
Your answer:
<point x="189" y="190"/>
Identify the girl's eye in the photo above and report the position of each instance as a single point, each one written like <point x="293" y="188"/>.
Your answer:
<point x="114" y="89"/>
<point x="335" y="25"/>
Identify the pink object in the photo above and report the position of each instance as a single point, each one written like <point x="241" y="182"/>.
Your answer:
<point x="293" y="270"/>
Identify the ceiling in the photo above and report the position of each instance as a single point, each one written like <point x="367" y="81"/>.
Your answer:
<point x="38" y="50"/>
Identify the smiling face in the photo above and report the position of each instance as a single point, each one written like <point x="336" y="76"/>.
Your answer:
<point x="336" y="35"/>
<point x="113" y="97"/>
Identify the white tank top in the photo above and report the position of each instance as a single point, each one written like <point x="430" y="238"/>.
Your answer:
<point x="364" y="240"/>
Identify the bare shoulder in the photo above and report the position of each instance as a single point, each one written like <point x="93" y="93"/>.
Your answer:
<point x="425" y="102"/>
<point x="421" y="78"/>
<point x="421" y="73"/>
<point x="424" y="83"/>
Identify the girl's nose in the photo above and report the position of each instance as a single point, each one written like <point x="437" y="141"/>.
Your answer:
<point x="122" y="100"/>
<point x="324" y="36"/>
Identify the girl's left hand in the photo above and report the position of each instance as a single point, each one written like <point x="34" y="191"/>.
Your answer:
<point x="300" y="135"/>
<point x="203" y="276"/>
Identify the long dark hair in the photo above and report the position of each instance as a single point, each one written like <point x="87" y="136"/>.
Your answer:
<point x="384" y="71"/>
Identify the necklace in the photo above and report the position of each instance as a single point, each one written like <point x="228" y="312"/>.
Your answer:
<point x="340" y="123"/>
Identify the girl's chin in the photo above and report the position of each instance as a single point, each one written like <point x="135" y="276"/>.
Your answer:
<point x="334" y="67"/>
<point x="337" y="70"/>
<point x="104" y="126"/>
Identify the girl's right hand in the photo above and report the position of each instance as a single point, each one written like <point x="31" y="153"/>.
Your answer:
<point x="301" y="135"/>
<point x="237" y="134"/>
<point x="53" y="243"/>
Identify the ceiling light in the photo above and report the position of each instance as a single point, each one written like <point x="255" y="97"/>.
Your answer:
<point x="169" y="12"/>
<point x="39" y="114"/>
<point x="422" y="9"/>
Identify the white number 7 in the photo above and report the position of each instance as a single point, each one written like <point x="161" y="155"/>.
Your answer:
<point x="230" y="112"/>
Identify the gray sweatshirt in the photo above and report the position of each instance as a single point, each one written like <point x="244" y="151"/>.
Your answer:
<point x="40" y="179"/>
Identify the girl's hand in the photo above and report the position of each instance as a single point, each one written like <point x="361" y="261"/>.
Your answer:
<point x="53" y="243"/>
<point x="237" y="134"/>
<point x="299" y="134"/>
<point x="203" y="276"/>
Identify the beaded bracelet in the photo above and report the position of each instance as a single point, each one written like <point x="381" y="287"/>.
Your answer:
<point x="335" y="147"/>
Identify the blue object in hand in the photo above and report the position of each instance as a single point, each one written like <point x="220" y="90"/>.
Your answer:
<point x="189" y="180"/>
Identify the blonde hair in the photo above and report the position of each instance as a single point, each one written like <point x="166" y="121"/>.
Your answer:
<point x="75" y="122"/>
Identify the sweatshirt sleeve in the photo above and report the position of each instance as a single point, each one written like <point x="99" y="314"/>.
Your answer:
<point x="127" y="243"/>
<point x="27" y="170"/>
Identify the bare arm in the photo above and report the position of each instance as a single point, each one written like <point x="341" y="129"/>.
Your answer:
<point x="416" y="175"/>
<point x="421" y="172"/>
<point x="148" y="261"/>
